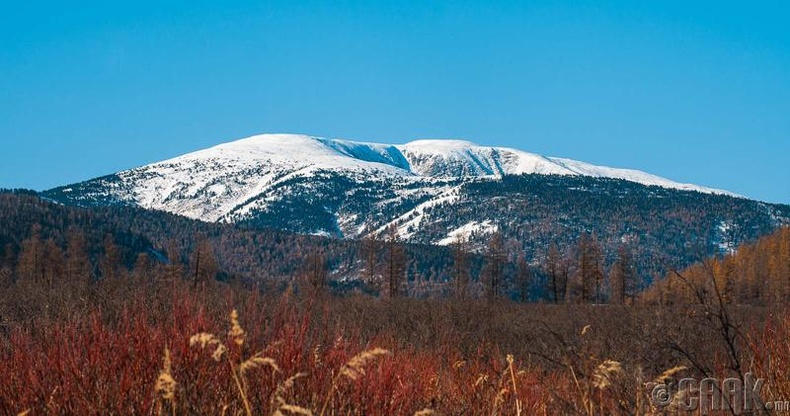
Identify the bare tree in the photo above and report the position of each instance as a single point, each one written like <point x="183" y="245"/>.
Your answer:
<point x="495" y="262"/>
<point x="111" y="258"/>
<point x="203" y="262"/>
<point x="623" y="277"/>
<point x="461" y="267"/>
<point x="30" y="264"/>
<point x="523" y="279"/>
<point x="174" y="268"/>
<point x="589" y="269"/>
<point x="316" y="273"/>
<point x="78" y="268"/>
<point x="396" y="263"/>
<point x="370" y="250"/>
<point x="556" y="268"/>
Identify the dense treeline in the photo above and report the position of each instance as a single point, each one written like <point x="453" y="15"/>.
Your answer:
<point x="756" y="274"/>
<point x="52" y="241"/>
<point x="661" y="227"/>
<point x="261" y="257"/>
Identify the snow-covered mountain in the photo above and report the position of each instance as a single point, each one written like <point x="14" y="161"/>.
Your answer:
<point x="327" y="186"/>
<point x="455" y="158"/>
<point x="423" y="158"/>
<point x="436" y="192"/>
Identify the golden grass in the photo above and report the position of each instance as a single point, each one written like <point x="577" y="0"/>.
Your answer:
<point x="280" y="404"/>
<point x="238" y="366"/>
<point x="166" y="384"/>
<point x="602" y="377"/>
<point x="355" y="367"/>
<point x="666" y="375"/>
<point x="283" y="359"/>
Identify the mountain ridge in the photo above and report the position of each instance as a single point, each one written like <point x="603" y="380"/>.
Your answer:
<point x="474" y="160"/>
<point x="433" y="193"/>
<point x="231" y="181"/>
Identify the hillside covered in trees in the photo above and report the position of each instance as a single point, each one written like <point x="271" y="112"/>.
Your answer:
<point x="659" y="227"/>
<point x="53" y="241"/>
<point x="756" y="274"/>
<point x="125" y="310"/>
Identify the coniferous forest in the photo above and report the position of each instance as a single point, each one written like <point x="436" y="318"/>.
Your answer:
<point x="120" y="310"/>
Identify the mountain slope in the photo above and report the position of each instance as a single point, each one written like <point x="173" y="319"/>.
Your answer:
<point x="453" y="158"/>
<point x="231" y="181"/>
<point x="435" y="191"/>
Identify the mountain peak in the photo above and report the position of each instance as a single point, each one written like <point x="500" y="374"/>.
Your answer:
<point x="266" y="143"/>
<point x="430" y="158"/>
<point x="440" y="144"/>
<point x="234" y="179"/>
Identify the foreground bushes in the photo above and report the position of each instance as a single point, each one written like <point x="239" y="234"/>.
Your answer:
<point x="137" y="346"/>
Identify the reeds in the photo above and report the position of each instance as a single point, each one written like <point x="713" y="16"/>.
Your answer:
<point x="182" y="352"/>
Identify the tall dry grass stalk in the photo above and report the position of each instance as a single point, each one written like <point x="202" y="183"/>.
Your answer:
<point x="604" y="373"/>
<point x="238" y="366"/>
<point x="353" y="369"/>
<point x="510" y="360"/>
<point x="280" y="404"/>
<point x="666" y="375"/>
<point x="166" y="384"/>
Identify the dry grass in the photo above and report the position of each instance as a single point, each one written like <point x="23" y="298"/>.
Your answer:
<point x="172" y="349"/>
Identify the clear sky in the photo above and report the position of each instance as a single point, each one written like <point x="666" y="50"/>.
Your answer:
<point x="695" y="91"/>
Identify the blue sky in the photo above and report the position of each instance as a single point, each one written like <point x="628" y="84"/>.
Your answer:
<point x="694" y="91"/>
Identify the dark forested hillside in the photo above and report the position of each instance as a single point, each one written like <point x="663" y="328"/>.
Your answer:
<point x="555" y="238"/>
<point x="660" y="227"/>
<point x="255" y="256"/>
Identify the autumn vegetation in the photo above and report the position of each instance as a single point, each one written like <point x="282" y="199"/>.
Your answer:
<point x="88" y="326"/>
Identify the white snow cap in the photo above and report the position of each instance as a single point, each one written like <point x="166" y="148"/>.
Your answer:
<point x="431" y="158"/>
<point x="231" y="180"/>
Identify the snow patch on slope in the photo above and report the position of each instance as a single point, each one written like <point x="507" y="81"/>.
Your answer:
<point x="409" y="223"/>
<point x="466" y="230"/>
<point x="457" y="158"/>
